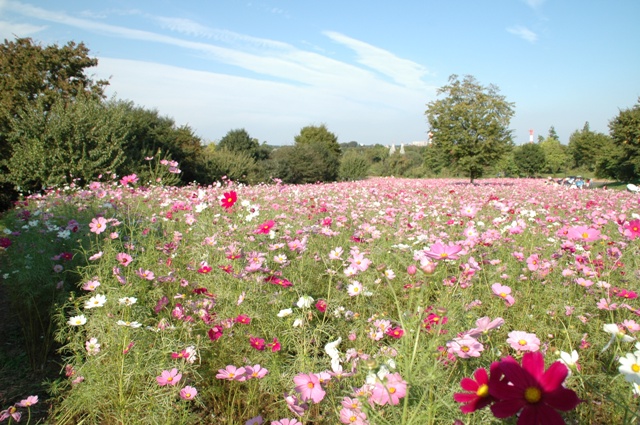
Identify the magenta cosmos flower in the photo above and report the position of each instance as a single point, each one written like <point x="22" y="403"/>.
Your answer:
<point x="309" y="387"/>
<point x="477" y="395"/>
<point x="523" y="341"/>
<point x="232" y="373"/>
<point x="439" y="251"/>
<point x="169" y="377"/>
<point x="529" y="389"/>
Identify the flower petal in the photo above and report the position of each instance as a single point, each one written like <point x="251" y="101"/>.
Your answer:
<point x="553" y="378"/>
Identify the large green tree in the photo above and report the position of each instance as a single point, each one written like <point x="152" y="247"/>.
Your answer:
<point x="31" y="73"/>
<point x="470" y="126"/>
<point x="69" y="141"/>
<point x="239" y="140"/>
<point x="556" y="156"/>
<point x="586" y="147"/>
<point x="319" y="134"/>
<point x="622" y="160"/>
<point x="529" y="159"/>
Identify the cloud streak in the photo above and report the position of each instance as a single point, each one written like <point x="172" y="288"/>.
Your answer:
<point x="524" y="33"/>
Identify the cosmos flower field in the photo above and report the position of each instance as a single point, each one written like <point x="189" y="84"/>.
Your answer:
<point x="384" y="301"/>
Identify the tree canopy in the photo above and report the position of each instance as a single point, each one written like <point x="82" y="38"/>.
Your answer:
<point x="313" y="134"/>
<point x="586" y="147"/>
<point x="529" y="159"/>
<point x="470" y="126"/>
<point x="622" y="160"/>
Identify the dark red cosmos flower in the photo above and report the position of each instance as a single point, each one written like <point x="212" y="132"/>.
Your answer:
<point x="278" y="281"/>
<point x="204" y="269"/>
<point x="228" y="199"/>
<point x="529" y="389"/>
<point x="274" y="346"/>
<point x="215" y="333"/>
<point x="243" y="319"/>
<point x="478" y="395"/>
<point x="5" y="242"/>
<point x="257" y="343"/>
<point x="395" y="332"/>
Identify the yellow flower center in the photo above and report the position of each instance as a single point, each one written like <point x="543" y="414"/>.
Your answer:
<point x="465" y="349"/>
<point x="444" y="255"/>
<point x="635" y="367"/>
<point x="503" y="295"/>
<point x="392" y="390"/>
<point x="522" y="342"/>
<point x="483" y="391"/>
<point x="310" y="385"/>
<point x="170" y="379"/>
<point x="532" y="395"/>
<point x="352" y="419"/>
<point x="585" y="235"/>
<point x="188" y="395"/>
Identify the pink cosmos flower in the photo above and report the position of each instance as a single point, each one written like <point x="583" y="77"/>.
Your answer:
<point x="503" y="292"/>
<point x="12" y="413"/>
<point x="293" y="404"/>
<point x="465" y="347"/>
<point x="355" y="417"/>
<point x="169" y="377"/>
<point x="145" y="274"/>
<point x="256" y="371"/>
<point x="484" y="325"/>
<point x="265" y="227"/>
<point x="391" y="392"/>
<point x="257" y="343"/>
<point x="286" y="421"/>
<point x="439" y="251"/>
<point x="29" y="401"/>
<point x="533" y="262"/>
<point x="232" y="373"/>
<point x="308" y="386"/>
<point x="124" y="258"/>
<point x="632" y="229"/>
<point x="583" y="233"/>
<point x="98" y="225"/>
<point x="523" y="341"/>
<point x="188" y="393"/>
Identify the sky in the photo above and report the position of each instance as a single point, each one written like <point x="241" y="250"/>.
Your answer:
<point x="367" y="69"/>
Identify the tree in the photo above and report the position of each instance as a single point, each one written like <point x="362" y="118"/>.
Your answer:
<point x="319" y="135"/>
<point x="32" y="73"/>
<point x="470" y="125"/>
<point x="353" y="166"/>
<point x="305" y="163"/>
<point x="587" y="147"/>
<point x="78" y="140"/>
<point x="529" y="159"/>
<point x="553" y="134"/>
<point x="622" y="159"/>
<point x="555" y="154"/>
<point x="238" y="140"/>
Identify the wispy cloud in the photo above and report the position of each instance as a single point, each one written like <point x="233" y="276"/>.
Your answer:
<point x="307" y="85"/>
<point x="524" y="33"/>
<point x="9" y="30"/>
<point x="534" y="4"/>
<point x="402" y="71"/>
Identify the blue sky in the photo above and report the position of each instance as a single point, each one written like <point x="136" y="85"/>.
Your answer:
<point x="365" y="68"/>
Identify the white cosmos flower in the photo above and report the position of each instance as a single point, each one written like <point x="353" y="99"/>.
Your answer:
<point x="77" y="320"/>
<point x="285" y="312"/>
<point x="97" y="300"/>
<point x="305" y="301"/>
<point x="616" y="332"/>
<point x="569" y="359"/>
<point x="332" y="350"/>
<point x="129" y="324"/>
<point x="127" y="301"/>
<point x="630" y="368"/>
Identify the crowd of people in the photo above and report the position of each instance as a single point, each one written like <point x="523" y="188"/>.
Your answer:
<point x="572" y="182"/>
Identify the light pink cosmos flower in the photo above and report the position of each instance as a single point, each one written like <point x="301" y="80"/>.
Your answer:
<point x="503" y="292"/>
<point x="145" y="274"/>
<point x="28" y="402"/>
<point x="286" y="421"/>
<point x="255" y="371"/>
<point x="169" y="377"/>
<point x="355" y="417"/>
<point x="391" y="392"/>
<point x="533" y="262"/>
<point x="439" y="251"/>
<point x="523" y="341"/>
<point x="124" y="259"/>
<point x="583" y="233"/>
<point x="484" y="325"/>
<point x="308" y="386"/>
<point x="188" y="393"/>
<point x="232" y="373"/>
<point x="465" y="347"/>
<point x="98" y="225"/>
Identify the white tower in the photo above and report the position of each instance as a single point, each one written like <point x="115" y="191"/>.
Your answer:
<point x="530" y="136"/>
